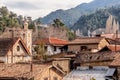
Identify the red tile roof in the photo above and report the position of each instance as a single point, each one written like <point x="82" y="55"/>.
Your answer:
<point x="86" y="40"/>
<point x="114" y="48"/>
<point x="113" y="41"/>
<point x="116" y="62"/>
<point x="56" y="41"/>
<point x="37" y="42"/>
<point x="52" y="41"/>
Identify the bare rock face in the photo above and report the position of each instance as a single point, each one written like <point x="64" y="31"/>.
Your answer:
<point x="112" y="25"/>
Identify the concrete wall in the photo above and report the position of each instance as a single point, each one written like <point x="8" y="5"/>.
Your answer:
<point x="50" y="50"/>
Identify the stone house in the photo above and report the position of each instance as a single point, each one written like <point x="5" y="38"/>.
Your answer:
<point x="24" y="33"/>
<point x="52" y="45"/>
<point x="86" y="44"/>
<point x="91" y="44"/>
<point x="13" y="50"/>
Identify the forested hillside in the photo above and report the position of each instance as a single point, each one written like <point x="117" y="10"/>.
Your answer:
<point x="96" y="20"/>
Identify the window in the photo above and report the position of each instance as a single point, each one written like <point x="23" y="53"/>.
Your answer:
<point x="90" y="57"/>
<point x="24" y="35"/>
<point x="18" y="48"/>
<point x="46" y="78"/>
<point x="54" y="48"/>
<point x="55" y="78"/>
<point x="83" y="48"/>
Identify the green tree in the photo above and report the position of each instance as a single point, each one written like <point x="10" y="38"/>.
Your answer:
<point x="40" y="50"/>
<point x="71" y="35"/>
<point x="31" y="25"/>
<point x="58" y="23"/>
<point x="4" y="11"/>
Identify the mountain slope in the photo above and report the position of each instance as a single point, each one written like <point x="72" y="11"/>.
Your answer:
<point x="96" y="20"/>
<point x="70" y="16"/>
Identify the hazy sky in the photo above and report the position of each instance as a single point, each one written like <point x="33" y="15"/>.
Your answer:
<point x="39" y="8"/>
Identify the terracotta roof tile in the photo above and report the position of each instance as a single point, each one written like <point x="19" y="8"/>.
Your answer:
<point x="52" y="41"/>
<point x="20" y="70"/>
<point x="56" y="41"/>
<point x="116" y="62"/>
<point x="114" y="48"/>
<point x="86" y="40"/>
<point x="113" y="41"/>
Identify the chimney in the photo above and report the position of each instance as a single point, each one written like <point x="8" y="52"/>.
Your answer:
<point x="25" y="25"/>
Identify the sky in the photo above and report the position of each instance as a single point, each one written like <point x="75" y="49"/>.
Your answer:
<point x="39" y="8"/>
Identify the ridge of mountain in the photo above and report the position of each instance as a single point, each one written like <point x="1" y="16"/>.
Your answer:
<point x="70" y="16"/>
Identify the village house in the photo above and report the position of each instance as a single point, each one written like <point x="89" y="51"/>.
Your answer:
<point x="52" y="45"/>
<point x="28" y="71"/>
<point x="13" y="50"/>
<point x="24" y="33"/>
<point x="87" y="44"/>
<point x="92" y="44"/>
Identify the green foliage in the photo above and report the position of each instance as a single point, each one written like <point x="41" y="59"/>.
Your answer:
<point x="71" y="35"/>
<point x="96" y="20"/>
<point x="40" y="50"/>
<point x="8" y="19"/>
<point x="92" y="78"/>
<point x="31" y="26"/>
<point x="4" y="11"/>
<point x="58" y="23"/>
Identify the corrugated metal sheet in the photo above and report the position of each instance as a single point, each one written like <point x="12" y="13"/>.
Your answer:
<point x="110" y="72"/>
<point x="98" y="73"/>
